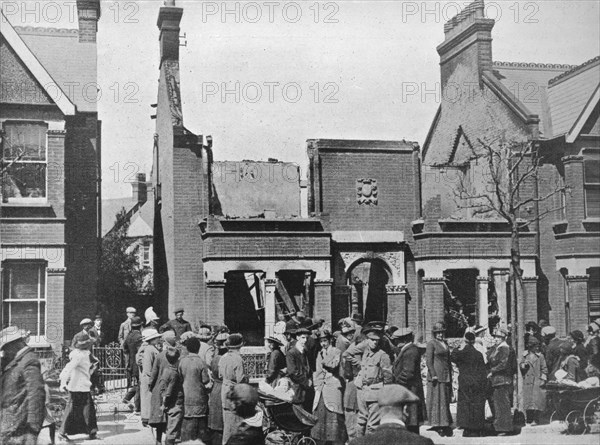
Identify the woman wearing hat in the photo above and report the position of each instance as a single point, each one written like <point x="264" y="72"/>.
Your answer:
<point x="80" y="414"/>
<point x="276" y="361"/>
<point x="579" y="350"/>
<point x="231" y="372"/>
<point x="439" y="382"/>
<point x="592" y="344"/>
<point x="535" y="373"/>
<point x="472" y="387"/>
<point x="215" y="407"/>
<point x="568" y="362"/>
<point x="329" y="387"/>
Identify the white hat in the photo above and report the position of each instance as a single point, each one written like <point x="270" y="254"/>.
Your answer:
<point x="150" y="334"/>
<point x="10" y="334"/>
<point x="150" y="315"/>
<point x="130" y="309"/>
<point x="86" y="321"/>
<point x="548" y="330"/>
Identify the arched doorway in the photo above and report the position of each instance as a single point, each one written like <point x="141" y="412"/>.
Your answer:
<point x="368" y="280"/>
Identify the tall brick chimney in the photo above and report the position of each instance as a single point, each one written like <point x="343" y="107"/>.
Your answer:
<point x="140" y="188"/>
<point x="169" y="19"/>
<point x="468" y="41"/>
<point x="88" y="14"/>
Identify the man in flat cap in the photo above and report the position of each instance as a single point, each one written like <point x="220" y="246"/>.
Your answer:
<point x="125" y="327"/>
<point x="393" y="404"/>
<point x="178" y="324"/>
<point x="407" y="372"/>
<point x="85" y="324"/>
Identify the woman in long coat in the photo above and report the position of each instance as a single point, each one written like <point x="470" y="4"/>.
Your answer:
<point x="276" y="363"/>
<point x="472" y="387"/>
<point x="80" y="414"/>
<point x="535" y="374"/>
<point x="329" y="394"/>
<point x="439" y="382"/>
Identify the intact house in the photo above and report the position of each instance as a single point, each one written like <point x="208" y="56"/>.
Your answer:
<point x="50" y="142"/>
<point x="462" y="258"/>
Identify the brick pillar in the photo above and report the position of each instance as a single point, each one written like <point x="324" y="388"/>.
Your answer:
<point x="270" y="312"/>
<point x="433" y="301"/>
<point x="575" y="210"/>
<point x="577" y="286"/>
<point x="322" y="308"/>
<point x="396" y="305"/>
<point x="500" y="278"/>
<point x="530" y="285"/>
<point x="482" y="301"/>
<point x="215" y="298"/>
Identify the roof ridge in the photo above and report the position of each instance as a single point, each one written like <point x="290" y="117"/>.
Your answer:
<point x="563" y="66"/>
<point x="45" y="30"/>
<point x="573" y="70"/>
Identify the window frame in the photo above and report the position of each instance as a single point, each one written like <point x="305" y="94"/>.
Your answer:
<point x="590" y="155"/>
<point x="42" y="292"/>
<point x="4" y="161"/>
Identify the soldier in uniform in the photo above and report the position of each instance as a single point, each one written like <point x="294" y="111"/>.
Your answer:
<point x="375" y="372"/>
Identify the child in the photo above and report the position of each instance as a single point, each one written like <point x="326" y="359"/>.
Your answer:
<point x="535" y="372"/>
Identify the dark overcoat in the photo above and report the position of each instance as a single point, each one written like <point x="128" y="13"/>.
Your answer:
<point x="472" y="386"/>
<point x="22" y="398"/>
<point x="407" y="372"/>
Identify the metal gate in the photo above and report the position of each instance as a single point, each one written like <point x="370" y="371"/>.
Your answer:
<point x="111" y="367"/>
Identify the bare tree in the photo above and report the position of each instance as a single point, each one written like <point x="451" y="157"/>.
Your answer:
<point x="501" y="180"/>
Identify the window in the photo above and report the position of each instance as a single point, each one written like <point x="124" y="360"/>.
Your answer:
<point x="591" y="165"/>
<point x="24" y="296"/>
<point x="24" y="162"/>
<point x="146" y="253"/>
<point x="594" y="292"/>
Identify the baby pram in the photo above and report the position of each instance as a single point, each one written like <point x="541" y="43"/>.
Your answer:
<point x="286" y="423"/>
<point x="575" y="410"/>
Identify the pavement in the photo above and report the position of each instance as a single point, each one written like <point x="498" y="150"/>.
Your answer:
<point x="117" y="425"/>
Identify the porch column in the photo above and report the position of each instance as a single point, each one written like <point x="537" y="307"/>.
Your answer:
<point x="482" y="301"/>
<point x="215" y="297"/>
<point x="530" y="285"/>
<point x="577" y="294"/>
<point x="396" y="305"/>
<point x="433" y="303"/>
<point x="500" y="278"/>
<point x="322" y="307"/>
<point x="270" y="310"/>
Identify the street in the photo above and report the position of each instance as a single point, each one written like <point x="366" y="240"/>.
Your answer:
<point x="117" y="426"/>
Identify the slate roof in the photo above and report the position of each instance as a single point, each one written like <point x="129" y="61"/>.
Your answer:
<point x="67" y="60"/>
<point x="110" y="208"/>
<point x="529" y="84"/>
<point x="570" y="93"/>
<point x="556" y="93"/>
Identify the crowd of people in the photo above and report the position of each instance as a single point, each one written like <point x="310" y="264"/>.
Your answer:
<point x="360" y="382"/>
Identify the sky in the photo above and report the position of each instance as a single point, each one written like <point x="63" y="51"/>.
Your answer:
<point x="263" y="77"/>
